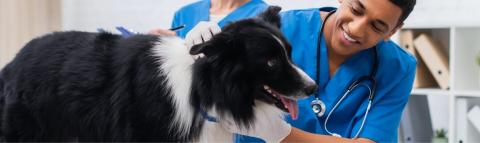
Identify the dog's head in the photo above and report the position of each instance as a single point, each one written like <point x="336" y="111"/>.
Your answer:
<point x="251" y="61"/>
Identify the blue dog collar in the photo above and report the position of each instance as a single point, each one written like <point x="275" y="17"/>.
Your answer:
<point x="207" y="117"/>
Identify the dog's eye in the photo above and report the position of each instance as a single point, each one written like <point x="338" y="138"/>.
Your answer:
<point x="271" y="63"/>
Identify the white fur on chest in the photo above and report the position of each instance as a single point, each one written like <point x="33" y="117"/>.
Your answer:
<point x="212" y="132"/>
<point x="264" y="114"/>
<point x="176" y="65"/>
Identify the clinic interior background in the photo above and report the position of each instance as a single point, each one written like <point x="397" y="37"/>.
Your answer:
<point x="454" y="23"/>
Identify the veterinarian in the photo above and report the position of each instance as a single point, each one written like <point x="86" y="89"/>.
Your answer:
<point x="210" y="13"/>
<point x="364" y="78"/>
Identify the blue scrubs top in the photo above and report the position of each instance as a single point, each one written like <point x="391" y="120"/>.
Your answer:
<point x="193" y="13"/>
<point x="395" y="74"/>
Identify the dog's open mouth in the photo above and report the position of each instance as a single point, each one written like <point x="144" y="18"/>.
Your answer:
<point x="287" y="104"/>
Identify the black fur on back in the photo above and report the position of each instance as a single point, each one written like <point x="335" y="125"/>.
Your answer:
<point x="80" y="86"/>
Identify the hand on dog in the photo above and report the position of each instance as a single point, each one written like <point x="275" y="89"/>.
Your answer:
<point x="202" y="32"/>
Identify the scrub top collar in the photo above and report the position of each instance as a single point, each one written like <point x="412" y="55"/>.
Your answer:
<point x="324" y="64"/>
<point x="205" y="12"/>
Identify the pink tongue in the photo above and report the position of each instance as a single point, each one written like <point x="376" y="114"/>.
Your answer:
<point x="291" y="106"/>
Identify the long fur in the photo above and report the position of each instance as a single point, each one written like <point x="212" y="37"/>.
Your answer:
<point x="80" y="86"/>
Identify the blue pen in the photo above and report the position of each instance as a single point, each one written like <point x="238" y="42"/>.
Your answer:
<point x="124" y="31"/>
<point x="127" y="33"/>
<point x="177" y="28"/>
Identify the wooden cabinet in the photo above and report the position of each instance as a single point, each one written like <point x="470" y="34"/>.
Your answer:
<point x="22" y="20"/>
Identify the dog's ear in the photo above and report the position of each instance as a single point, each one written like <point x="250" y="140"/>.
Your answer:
<point x="271" y="15"/>
<point x="199" y="48"/>
<point x="217" y="44"/>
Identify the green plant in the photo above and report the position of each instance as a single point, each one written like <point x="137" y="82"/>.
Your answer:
<point x="478" y="59"/>
<point x="440" y="133"/>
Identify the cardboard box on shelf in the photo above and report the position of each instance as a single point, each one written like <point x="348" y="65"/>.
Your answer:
<point x="423" y="77"/>
<point x="435" y="59"/>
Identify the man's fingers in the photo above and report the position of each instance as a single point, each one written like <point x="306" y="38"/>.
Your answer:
<point x="162" y="32"/>
<point x="215" y="29"/>
<point x="197" y="40"/>
<point x="206" y="35"/>
<point x="202" y="32"/>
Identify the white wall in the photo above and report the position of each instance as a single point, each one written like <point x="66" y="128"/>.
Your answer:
<point x="135" y="14"/>
<point x="142" y="15"/>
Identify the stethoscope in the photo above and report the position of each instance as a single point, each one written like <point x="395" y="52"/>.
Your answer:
<point x="318" y="106"/>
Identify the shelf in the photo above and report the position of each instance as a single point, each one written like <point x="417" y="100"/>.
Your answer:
<point x="429" y="91"/>
<point x="437" y="91"/>
<point x="467" y="93"/>
<point x="432" y="55"/>
<point x="464" y="128"/>
<point x="426" y="26"/>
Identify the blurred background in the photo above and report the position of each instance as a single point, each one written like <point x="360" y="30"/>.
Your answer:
<point x="444" y="35"/>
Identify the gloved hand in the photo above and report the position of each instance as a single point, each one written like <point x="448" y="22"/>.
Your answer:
<point x="202" y="32"/>
<point x="267" y="125"/>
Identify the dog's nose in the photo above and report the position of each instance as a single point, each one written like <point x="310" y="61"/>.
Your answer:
<point x="311" y="89"/>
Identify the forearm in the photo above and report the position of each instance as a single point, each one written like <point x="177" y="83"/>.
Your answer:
<point x="297" y="135"/>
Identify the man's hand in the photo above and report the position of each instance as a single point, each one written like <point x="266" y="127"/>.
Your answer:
<point x="162" y="32"/>
<point x="202" y="32"/>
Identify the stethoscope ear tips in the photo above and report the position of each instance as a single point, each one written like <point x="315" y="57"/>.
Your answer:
<point x="318" y="107"/>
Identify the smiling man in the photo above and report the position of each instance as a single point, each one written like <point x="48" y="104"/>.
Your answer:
<point x="352" y="50"/>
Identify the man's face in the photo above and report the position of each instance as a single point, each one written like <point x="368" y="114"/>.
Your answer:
<point x="361" y="24"/>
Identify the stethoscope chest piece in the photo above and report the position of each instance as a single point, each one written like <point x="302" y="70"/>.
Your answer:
<point x="318" y="107"/>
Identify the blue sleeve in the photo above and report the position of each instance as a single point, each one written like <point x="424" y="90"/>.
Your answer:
<point x="382" y="122"/>
<point x="301" y="28"/>
<point x="247" y="139"/>
<point x="176" y="22"/>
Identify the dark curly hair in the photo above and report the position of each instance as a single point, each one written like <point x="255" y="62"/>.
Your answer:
<point x="406" y="6"/>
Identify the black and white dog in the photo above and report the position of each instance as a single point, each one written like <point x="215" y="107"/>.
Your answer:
<point x="79" y="86"/>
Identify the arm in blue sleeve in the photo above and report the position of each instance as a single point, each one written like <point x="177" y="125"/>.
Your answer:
<point x="382" y="122"/>
<point x="176" y="21"/>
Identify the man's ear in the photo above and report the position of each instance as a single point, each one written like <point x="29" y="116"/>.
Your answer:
<point x="390" y="34"/>
<point x="271" y="15"/>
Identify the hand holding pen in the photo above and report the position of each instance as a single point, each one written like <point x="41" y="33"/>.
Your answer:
<point x="165" y="32"/>
<point x="161" y="32"/>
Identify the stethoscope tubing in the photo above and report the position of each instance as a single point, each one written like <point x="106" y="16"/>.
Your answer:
<point x="316" y="103"/>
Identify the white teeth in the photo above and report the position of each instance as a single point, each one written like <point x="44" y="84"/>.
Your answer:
<point x="269" y="90"/>
<point x="348" y="37"/>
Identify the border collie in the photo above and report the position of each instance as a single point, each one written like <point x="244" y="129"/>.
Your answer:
<point x="80" y="86"/>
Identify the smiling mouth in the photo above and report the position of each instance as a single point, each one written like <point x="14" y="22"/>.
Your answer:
<point x="287" y="104"/>
<point x="350" y="39"/>
<point x="347" y="39"/>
